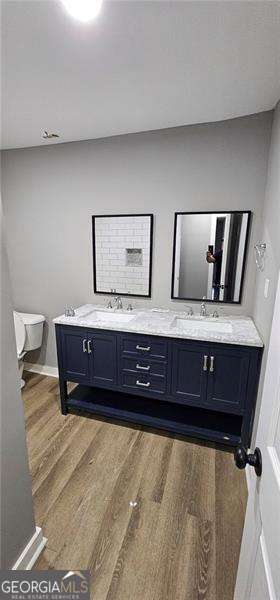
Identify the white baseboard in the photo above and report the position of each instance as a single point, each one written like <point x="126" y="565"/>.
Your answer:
<point x="31" y="552"/>
<point x="41" y="369"/>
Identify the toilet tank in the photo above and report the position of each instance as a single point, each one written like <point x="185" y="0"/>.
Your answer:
<point x="34" y="330"/>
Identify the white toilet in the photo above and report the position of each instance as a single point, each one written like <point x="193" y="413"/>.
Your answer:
<point x="29" y="334"/>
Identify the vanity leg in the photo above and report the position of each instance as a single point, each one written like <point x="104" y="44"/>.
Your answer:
<point x="63" y="396"/>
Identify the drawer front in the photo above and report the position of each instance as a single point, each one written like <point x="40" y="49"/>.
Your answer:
<point x="144" y="383"/>
<point x="144" y="366"/>
<point x="144" y="347"/>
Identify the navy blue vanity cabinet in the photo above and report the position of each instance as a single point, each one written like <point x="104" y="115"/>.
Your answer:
<point x="187" y="387"/>
<point x="189" y="372"/>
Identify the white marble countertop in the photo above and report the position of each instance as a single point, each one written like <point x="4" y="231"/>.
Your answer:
<point x="176" y="324"/>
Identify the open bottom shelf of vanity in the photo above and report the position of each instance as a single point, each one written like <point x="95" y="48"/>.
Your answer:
<point x="168" y="416"/>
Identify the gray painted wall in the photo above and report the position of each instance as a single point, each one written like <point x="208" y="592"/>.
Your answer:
<point x="17" y="518"/>
<point x="270" y="232"/>
<point x="51" y="192"/>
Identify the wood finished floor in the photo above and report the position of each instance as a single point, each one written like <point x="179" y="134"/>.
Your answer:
<point x="181" y="541"/>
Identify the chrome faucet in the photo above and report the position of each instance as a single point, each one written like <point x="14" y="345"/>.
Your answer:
<point x="69" y="312"/>
<point x="203" y="312"/>
<point x="190" y="311"/>
<point x="118" y="302"/>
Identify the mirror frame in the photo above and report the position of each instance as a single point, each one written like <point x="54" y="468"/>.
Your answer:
<point x="151" y="216"/>
<point x="212" y="212"/>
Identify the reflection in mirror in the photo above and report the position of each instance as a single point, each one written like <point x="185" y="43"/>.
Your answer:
<point x="209" y="255"/>
<point x="122" y="254"/>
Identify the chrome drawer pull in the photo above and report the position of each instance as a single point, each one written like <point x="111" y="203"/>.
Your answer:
<point x="84" y="346"/>
<point x="145" y="348"/>
<point x="143" y="368"/>
<point x="211" y="370"/>
<point x="143" y="384"/>
<point x="205" y="362"/>
<point x="89" y="346"/>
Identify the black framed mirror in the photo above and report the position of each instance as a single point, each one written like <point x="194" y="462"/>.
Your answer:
<point x="209" y="255"/>
<point x="122" y="254"/>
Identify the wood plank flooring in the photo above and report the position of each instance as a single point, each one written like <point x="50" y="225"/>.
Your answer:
<point x="179" y="542"/>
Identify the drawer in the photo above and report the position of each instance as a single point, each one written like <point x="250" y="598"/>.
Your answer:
<point x="144" y="366"/>
<point x="144" y="347"/>
<point x="144" y="383"/>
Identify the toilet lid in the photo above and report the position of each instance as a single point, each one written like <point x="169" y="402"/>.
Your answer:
<point x="20" y="333"/>
<point x="31" y="319"/>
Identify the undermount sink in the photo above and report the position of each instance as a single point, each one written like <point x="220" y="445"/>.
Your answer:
<point x="206" y="325"/>
<point x="111" y="317"/>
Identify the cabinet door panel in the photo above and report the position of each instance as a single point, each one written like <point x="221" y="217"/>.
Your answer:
<point x="103" y="359"/>
<point x="75" y="363"/>
<point x="189" y="379"/>
<point x="227" y="383"/>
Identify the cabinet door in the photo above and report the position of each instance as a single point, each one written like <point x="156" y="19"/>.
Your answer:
<point x="227" y="379"/>
<point x="103" y="359"/>
<point x="75" y="363"/>
<point x="189" y="372"/>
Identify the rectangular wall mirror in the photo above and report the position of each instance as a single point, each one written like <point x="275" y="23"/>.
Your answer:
<point x="209" y="255"/>
<point x="122" y="254"/>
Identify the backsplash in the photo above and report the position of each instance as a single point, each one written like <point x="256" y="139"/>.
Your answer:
<point x="115" y="239"/>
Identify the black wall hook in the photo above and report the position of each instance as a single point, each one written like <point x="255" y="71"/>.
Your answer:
<point x="242" y="459"/>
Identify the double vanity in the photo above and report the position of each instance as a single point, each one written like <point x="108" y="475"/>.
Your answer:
<point x="185" y="374"/>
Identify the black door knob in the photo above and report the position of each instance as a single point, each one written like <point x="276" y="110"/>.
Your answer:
<point x="254" y="460"/>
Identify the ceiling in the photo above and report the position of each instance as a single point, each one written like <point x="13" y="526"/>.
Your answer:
<point x="140" y="66"/>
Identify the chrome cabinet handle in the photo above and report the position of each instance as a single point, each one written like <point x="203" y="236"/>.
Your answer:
<point x="145" y="348"/>
<point x="84" y="346"/>
<point x="143" y="368"/>
<point x="143" y="384"/>
<point x="211" y="370"/>
<point x="205" y="362"/>
<point x="89" y="346"/>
